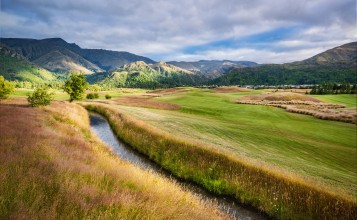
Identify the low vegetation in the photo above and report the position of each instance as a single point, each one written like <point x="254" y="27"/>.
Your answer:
<point x="6" y="88"/>
<point x="51" y="167"/>
<point x="40" y="97"/>
<point x="92" y="96"/>
<point x="279" y="194"/>
<point x="302" y="104"/>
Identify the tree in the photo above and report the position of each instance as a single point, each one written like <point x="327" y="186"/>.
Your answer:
<point x="6" y="88"/>
<point x="75" y="86"/>
<point x="40" y="97"/>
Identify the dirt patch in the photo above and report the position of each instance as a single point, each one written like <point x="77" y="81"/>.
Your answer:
<point x="142" y="101"/>
<point x="160" y="92"/>
<point x="228" y="89"/>
<point x="303" y="104"/>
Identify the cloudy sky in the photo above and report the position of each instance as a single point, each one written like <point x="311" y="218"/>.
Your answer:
<point x="265" y="31"/>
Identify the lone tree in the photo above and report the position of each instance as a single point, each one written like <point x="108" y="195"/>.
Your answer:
<point x="40" y="97"/>
<point x="6" y="88"/>
<point x="75" y="86"/>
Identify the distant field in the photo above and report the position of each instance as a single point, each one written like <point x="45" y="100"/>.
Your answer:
<point x="322" y="151"/>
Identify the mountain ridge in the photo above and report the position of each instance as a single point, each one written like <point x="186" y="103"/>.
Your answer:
<point x="87" y="60"/>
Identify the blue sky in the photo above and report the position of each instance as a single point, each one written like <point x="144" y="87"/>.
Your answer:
<point x="275" y="31"/>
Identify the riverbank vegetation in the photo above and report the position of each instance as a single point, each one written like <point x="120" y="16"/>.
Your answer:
<point x="279" y="195"/>
<point x="51" y="167"/>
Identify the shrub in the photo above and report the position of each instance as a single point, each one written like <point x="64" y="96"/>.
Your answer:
<point x="6" y="88"/>
<point x="92" y="96"/>
<point x="108" y="96"/>
<point x="40" y="97"/>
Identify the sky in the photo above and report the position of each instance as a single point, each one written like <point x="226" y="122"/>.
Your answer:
<point x="264" y="31"/>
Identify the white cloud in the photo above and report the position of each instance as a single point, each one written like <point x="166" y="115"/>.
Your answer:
<point x="166" y="27"/>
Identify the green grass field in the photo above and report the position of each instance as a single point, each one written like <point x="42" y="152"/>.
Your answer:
<point x="345" y="99"/>
<point x="322" y="151"/>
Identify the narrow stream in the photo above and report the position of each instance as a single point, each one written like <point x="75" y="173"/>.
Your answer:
<point x="101" y="128"/>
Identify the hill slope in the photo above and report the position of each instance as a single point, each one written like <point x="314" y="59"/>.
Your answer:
<point x="57" y="55"/>
<point x="212" y="68"/>
<point x="14" y="66"/>
<point x="335" y="65"/>
<point x="142" y="75"/>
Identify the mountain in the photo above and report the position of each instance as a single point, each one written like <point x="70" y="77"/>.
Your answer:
<point x="212" y="68"/>
<point x="109" y="60"/>
<point x="142" y="75"/>
<point x="14" y="66"/>
<point x="338" y="65"/>
<point x="57" y="55"/>
<point x="346" y="53"/>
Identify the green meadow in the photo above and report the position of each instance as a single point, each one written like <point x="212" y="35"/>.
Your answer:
<point x="320" y="151"/>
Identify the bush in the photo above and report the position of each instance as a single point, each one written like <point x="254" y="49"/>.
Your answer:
<point x="40" y="97"/>
<point x="108" y="96"/>
<point x="6" y="88"/>
<point x="92" y="96"/>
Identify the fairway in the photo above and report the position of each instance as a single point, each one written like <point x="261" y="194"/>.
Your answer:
<point x="345" y="99"/>
<point x="319" y="151"/>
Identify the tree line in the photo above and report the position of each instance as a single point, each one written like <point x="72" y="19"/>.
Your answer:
<point x="334" y="88"/>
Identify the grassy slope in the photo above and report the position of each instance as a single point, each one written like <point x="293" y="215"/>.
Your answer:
<point x="324" y="151"/>
<point x="59" y="170"/>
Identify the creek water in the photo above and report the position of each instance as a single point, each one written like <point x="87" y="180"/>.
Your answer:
<point x="101" y="128"/>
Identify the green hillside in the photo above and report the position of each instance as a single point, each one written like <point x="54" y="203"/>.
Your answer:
<point x="14" y="66"/>
<point x="338" y="64"/>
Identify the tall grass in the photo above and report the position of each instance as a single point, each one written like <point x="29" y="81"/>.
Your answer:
<point x="51" y="167"/>
<point x="283" y="197"/>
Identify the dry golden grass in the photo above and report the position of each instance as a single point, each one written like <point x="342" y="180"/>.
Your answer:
<point x="300" y="91"/>
<point x="280" y="96"/>
<point x="144" y="101"/>
<point x="302" y="104"/>
<point x="51" y="167"/>
<point x="281" y="196"/>
<point x="229" y="89"/>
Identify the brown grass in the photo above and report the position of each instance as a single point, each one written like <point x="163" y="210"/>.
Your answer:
<point x="302" y="104"/>
<point x="144" y="101"/>
<point x="280" y="96"/>
<point x="281" y="196"/>
<point x="300" y="91"/>
<point x="51" y="167"/>
<point x="228" y="89"/>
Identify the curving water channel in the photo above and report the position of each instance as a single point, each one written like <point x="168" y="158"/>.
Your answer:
<point x="101" y="128"/>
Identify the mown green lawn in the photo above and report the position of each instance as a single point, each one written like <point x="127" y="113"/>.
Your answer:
<point x="345" y="99"/>
<point x="324" y="151"/>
